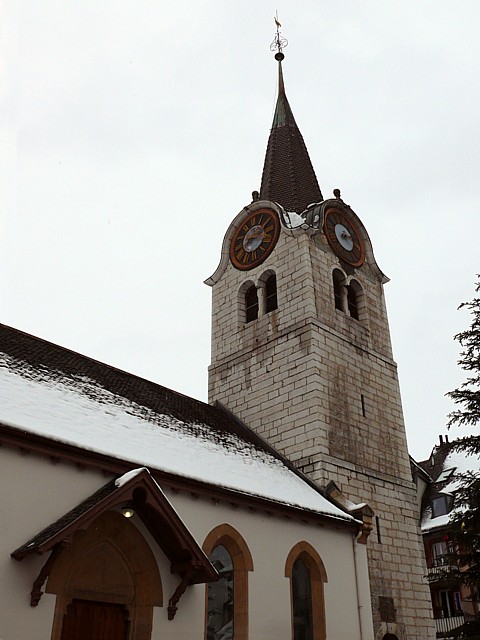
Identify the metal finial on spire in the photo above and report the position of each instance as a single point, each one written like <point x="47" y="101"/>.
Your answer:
<point x="279" y="42"/>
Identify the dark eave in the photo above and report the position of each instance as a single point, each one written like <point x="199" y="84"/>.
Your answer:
<point x="288" y="176"/>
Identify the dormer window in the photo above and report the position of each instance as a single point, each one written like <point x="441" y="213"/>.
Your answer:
<point x="440" y="505"/>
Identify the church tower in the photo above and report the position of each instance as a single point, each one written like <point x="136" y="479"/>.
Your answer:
<point x="301" y="352"/>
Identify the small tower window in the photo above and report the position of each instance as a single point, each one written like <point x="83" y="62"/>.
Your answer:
<point x="251" y="304"/>
<point x="271" y="293"/>
<point x="362" y="400"/>
<point x="339" y="289"/>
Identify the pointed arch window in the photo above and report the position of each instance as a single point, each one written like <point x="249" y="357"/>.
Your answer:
<point x="302" y="604"/>
<point x="220" y="596"/>
<point x="307" y="576"/>
<point x="251" y="304"/>
<point x="227" y="600"/>
<point x="270" y="291"/>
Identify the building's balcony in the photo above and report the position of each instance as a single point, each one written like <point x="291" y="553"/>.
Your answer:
<point x="445" y="625"/>
<point x="439" y="570"/>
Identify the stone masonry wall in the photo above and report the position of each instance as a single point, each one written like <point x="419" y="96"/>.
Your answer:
<point x="395" y="550"/>
<point x="322" y="388"/>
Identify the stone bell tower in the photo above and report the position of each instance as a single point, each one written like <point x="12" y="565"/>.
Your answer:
<point x="301" y="352"/>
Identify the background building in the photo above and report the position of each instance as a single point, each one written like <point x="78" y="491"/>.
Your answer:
<point x="437" y="480"/>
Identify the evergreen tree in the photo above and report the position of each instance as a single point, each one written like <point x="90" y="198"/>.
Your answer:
<point x="465" y="532"/>
<point x="468" y="394"/>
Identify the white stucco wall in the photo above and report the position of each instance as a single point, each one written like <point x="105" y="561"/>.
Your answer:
<point x="270" y="540"/>
<point x="35" y="492"/>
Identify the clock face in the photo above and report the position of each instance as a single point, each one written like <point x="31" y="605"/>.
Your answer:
<point x="344" y="237"/>
<point x="254" y="239"/>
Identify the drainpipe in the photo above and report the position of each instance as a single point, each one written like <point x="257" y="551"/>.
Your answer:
<point x="362" y="583"/>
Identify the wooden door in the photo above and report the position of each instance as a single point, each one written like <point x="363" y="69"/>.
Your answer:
<point x="90" y="620"/>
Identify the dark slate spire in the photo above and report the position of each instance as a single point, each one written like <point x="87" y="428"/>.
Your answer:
<point x="288" y="176"/>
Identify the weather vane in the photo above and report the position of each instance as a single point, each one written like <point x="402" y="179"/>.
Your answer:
<point x="279" y="42"/>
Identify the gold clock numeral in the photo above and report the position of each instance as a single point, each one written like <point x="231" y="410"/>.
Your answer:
<point x="267" y="229"/>
<point x="354" y="256"/>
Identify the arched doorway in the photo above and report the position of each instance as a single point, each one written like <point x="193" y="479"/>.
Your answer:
<point x="107" y="583"/>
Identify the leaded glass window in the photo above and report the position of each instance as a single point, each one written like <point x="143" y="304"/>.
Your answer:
<point x="302" y="601"/>
<point x="221" y="597"/>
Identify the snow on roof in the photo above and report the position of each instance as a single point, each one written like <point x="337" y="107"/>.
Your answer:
<point x="294" y="220"/>
<point x="455" y="463"/>
<point x="77" y="410"/>
<point x="459" y="462"/>
<point x="429" y="523"/>
<point x="122" y="480"/>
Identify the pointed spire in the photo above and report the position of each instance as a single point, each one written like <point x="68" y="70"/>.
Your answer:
<point x="288" y="176"/>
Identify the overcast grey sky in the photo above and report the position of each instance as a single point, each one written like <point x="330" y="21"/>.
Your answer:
<point x="134" y="131"/>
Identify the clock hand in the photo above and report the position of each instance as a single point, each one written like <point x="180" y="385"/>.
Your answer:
<point x="258" y="232"/>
